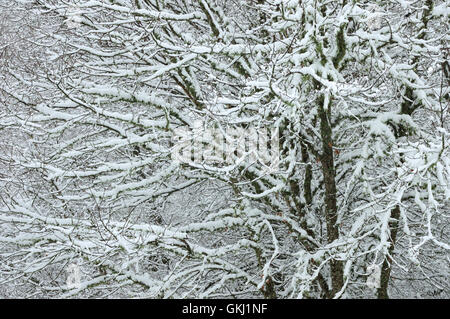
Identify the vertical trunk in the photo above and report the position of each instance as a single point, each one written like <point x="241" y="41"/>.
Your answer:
<point x="329" y="179"/>
<point x="269" y="289"/>
<point x="387" y="264"/>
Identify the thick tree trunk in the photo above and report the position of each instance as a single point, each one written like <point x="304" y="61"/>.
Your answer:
<point x="329" y="179"/>
<point x="387" y="264"/>
<point x="409" y="105"/>
<point x="269" y="289"/>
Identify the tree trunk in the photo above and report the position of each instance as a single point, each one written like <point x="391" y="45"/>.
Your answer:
<point x="387" y="264"/>
<point x="329" y="179"/>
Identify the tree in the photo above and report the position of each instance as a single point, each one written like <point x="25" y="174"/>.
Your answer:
<point x="357" y="95"/>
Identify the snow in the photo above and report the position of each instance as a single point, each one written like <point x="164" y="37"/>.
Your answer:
<point x="88" y="121"/>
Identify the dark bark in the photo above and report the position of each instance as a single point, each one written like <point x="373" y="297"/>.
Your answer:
<point x="308" y="201"/>
<point x="308" y="175"/>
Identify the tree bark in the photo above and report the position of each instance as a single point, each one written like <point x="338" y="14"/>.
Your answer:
<point x="329" y="179"/>
<point x="387" y="264"/>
